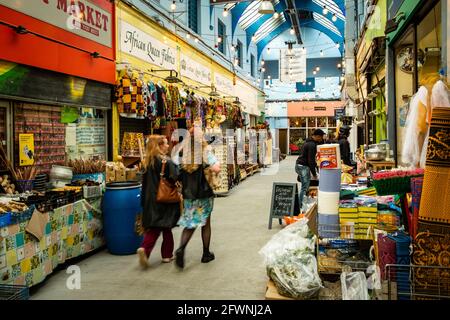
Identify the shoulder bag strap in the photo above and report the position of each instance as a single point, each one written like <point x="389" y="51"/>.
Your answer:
<point x="163" y="168"/>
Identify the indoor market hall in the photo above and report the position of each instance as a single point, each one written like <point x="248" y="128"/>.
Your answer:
<point x="186" y="153"/>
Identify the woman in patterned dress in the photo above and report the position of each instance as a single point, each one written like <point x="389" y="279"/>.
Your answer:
<point x="198" y="196"/>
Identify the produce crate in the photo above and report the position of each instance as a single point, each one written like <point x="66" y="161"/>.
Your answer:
<point x="14" y="292"/>
<point x="5" y="219"/>
<point x="92" y="192"/>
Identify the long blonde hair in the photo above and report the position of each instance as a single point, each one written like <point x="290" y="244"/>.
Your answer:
<point x="154" y="150"/>
<point x="192" y="159"/>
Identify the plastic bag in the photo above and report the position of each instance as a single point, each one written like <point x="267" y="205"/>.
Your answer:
<point x="295" y="236"/>
<point x="290" y="261"/>
<point x="354" y="286"/>
<point x="295" y="275"/>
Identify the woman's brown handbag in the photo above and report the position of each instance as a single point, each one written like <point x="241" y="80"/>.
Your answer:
<point x="167" y="191"/>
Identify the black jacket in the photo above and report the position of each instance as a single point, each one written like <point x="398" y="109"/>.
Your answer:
<point x="195" y="185"/>
<point x="308" y="155"/>
<point x="159" y="215"/>
<point x="344" y="147"/>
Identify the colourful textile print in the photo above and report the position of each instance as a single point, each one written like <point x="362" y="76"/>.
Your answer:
<point x="196" y="212"/>
<point x="431" y="249"/>
<point x="435" y="201"/>
<point x="128" y="94"/>
<point x="416" y="188"/>
<point x="71" y="231"/>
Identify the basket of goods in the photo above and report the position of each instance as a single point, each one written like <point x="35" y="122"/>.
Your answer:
<point x="93" y="170"/>
<point x="17" y="211"/>
<point x="7" y="185"/>
<point x="397" y="181"/>
<point x="25" y="178"/>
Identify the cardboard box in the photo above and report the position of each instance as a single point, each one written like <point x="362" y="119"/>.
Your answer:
<point x="110" y="174"/>
<point x="131" y="174"/>
<point x="272" y="292"/>
<point x="121" y="174"/>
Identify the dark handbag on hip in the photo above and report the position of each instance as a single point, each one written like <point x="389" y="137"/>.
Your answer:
<point x="167" y="191"/>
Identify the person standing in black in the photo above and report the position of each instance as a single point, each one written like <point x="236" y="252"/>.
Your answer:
<point x="306" y="165"/>
<point x="344" y="145"/>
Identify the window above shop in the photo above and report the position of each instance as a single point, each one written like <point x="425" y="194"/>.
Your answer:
<point x="193" y="15"/>
<point x="221" y="33"/>
<point x="239" y="55"/>
<point x="252" y="65"/>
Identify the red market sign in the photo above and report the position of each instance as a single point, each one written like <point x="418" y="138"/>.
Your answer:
<point x="78" y="28"/>
<point x="83" y="18"/>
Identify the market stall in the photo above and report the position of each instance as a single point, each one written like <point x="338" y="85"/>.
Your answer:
<point x="381" y="233"/>
<point x="40" y="230"/>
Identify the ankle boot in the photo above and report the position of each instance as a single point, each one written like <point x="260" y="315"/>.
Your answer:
<point x="207" y="257"/>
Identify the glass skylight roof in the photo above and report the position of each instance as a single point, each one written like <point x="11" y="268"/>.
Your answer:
<point x="268" y="26"/>
<point x="251" y="15"/>
<point x="332" y="7"/>
<point x="326" y="23"/>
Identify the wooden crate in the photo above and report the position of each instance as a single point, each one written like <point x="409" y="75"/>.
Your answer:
<point x="272" y="292"/>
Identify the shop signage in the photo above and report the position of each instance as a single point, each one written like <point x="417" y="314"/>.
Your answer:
<point x="26" y="149"/>
<point x="79" y="17"/>
<point x="293" y="65"/>
<point x="191" y="69"/>
<point x="223" y="84"/>
<point x="338" y="113"/>
<point x="145" y="47"/>
<point x="284" y="201"/>
<point x="248" y="97"/>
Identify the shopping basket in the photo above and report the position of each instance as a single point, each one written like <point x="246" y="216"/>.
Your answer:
<point x="14" y="292"/>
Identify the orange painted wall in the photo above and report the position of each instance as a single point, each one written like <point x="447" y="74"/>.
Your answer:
<point x="306" y="108"/>
<point x="35" y="51"/>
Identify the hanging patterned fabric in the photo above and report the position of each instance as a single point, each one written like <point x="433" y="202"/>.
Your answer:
<point x="146" y="99"/>
<point x="129" y="95"/>
<point x="151" y="107"/>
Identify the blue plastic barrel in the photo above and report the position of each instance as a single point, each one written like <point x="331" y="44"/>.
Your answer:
<point x="121" y="207"/>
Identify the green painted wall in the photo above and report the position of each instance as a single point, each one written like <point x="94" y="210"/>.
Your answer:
<point x="409" y="7"/>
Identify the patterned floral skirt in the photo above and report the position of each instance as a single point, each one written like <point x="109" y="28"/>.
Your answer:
<point x="196" y="212"/>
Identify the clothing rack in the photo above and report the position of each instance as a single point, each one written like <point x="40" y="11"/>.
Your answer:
<point x="153" y="75"/>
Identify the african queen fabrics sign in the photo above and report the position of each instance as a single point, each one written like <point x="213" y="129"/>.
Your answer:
<point x="145" y="47"/>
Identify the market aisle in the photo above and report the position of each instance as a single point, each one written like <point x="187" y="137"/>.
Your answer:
<point x="239" y="231"/>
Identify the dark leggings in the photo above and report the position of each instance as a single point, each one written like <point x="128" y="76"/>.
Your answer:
<point x="206" y="236"/>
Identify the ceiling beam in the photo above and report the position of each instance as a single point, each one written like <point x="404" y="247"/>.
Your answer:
<point x="292" y="13"/>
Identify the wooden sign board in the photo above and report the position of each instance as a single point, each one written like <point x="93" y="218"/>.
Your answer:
<point x="284" y="201"/>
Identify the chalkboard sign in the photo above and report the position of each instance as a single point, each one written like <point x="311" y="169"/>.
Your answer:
<point x="284" y="201"/>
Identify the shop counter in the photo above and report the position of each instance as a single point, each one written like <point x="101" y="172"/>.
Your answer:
<point x="71" y="231"/>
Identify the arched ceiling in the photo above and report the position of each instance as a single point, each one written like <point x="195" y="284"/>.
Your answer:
<point x="266" y="27"/>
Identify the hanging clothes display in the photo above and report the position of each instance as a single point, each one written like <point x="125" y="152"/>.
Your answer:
<point x="128" y="95"/>
<point x="416" y="128"/>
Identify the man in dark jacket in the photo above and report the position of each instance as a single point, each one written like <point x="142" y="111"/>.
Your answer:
<point x="344" y="145"/>
<point x="306" y="163"/>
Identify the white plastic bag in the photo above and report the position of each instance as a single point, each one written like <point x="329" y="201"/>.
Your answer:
<point x="354" y="286"/>
<point x="290" y="261"/>
<point x="295" y="275"/>
<point x="295" y="236"/>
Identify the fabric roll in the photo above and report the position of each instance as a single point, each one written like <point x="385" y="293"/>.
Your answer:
<point x="329" y="226"/>
<point x="435" y="200"/>
<point x="416" y="187"/>
<point x="329" y="156"/>
<point x="328" y="202"/>
<point x="386" y="255"/>
<point x="330" y="180"/>
<point x="431" y="248"/>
